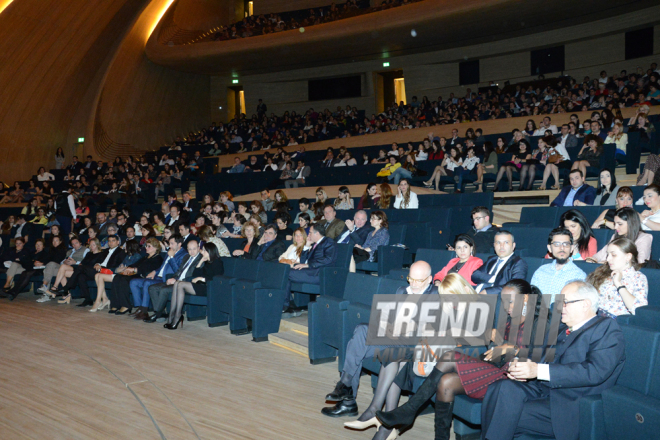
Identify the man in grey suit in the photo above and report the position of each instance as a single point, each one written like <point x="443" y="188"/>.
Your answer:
<point x="301" y="172"/>
<point x="161" y="292"/>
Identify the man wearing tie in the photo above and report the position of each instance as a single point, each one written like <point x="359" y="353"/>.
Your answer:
<point x="301" y="173"/>
<point x="162" y="292"/>
<point x="499" y="269"/>
<point x="543" y="399"/>
<point x="356" y="231"/>
<point x="322" y="252"/>
<point x="171" y="263"/>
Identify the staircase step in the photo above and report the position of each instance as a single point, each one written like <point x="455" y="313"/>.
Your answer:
<point x="299" y="324"/>
<point x="291" y="340"/>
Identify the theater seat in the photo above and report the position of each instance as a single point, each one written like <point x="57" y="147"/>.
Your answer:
<point x="326" y="318"/>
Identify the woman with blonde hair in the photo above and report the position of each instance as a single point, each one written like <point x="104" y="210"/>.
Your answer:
<point x="344" y="200"/>
<point x="292" y="255"/>
<point x="250" y="245"/>
<point x="208" y="236"/>
<point x="618" y="137"/>
<point x="321" y="195"/>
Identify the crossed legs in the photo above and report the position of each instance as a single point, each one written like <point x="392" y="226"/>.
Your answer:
<point x="178" y="297"/>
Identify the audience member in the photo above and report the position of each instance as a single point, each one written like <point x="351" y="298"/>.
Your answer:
<point x="627" y="225"/>
<point x="583" y="366"/>
<point x="356" y="231"/>
<point x="622" y="287"/>
<point x="357" y="350"/>
<point x="577" y="194"/>
<point x="334" y="227"/>
<point x="465" y="262"/>
<point x="405" y="198"/>
<point x="379" y="236"/>
<point x="322" y="252"/>
<point x="500" y="268"/>
<point x="624" y="199"/>
<point x="584" y="242"/>
<point x="651" y="216"/>
<point x="552" y="277"/>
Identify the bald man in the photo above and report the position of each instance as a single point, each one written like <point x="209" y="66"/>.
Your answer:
<point x="420" y="283"/>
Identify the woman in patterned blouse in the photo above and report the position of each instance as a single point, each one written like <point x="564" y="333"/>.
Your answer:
<point x="621" y="285"/>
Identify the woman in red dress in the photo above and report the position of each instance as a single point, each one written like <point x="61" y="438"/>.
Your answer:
<point x="462" y="374"/>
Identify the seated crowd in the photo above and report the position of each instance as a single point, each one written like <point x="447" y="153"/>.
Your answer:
<point x="140" y="263"/>
<point x="605" y="96"/>
<point x="593" y="302"/>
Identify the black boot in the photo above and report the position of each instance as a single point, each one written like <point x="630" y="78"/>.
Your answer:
<point x="405" y="414"/>
<point x="443" y="416"/>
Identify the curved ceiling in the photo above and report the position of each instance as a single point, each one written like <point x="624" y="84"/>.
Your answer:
<point x="439" y="24"/>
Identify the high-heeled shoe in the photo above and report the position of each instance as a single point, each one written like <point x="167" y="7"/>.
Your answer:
<point x="104" y="305"/>
<point x="65" y="300"/>
<point x="427" y="184"/>
<point x="357" y="424"/>
<point x="124" y="312"/>
<point x="175" y="326"/>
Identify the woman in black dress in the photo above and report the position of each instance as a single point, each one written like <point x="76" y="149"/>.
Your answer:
<point x="120" y="296"/>
<point x="209" y="266"/>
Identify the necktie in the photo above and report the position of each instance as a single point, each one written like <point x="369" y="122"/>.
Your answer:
<point x="185" y="269"/>
<point x="492" y="272"/>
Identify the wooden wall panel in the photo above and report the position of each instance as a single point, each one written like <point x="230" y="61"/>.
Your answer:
<point x="57" y="58"/>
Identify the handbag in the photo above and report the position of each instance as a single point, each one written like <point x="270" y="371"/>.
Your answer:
<point x="105" y="271"/>
<point x="555" y="157"/>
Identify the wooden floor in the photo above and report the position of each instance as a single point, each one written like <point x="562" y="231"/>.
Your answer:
<point x="66" y="373"/>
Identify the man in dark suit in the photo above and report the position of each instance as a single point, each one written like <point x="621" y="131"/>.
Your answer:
<point x="161" y="292"/>
<point x="89" y="165"/>
<point x="184" y="230"/>
<point x="75" y="166"/>
<point x="270" y="247"/>
<point x="334" y="227"/>
<point x="172" y="259"/>
<point x="21" y="228"/>
<point x="322" y="253"/>
<point x="501" y="268"/>
<point x="544" y="399"/>
<point x="357" y="230"/>
<point x="482" y="231"/>
<point x="578" y="193"/>
<point x="188" y="204"/>
<point x="102" y="224"/>
<point x="114" y="255"/>
<point x="301" y="173"/>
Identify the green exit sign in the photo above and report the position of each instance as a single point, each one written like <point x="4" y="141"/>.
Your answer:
<point x="81" y="140"/>
<point x="386" y="64"/>
<point x="234" y="81"/>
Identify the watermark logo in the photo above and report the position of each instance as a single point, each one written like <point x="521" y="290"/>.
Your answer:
<point x="424" y="327"/>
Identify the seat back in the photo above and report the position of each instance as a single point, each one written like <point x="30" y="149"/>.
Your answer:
<point x="229" y="265"/>
<point x="397" y="233"/>
<point x="360" y="288"/>
<point x="344" y="254"/>
<point x="653" y="278"/>
<point x="436" y="258"/>
<point x="273" y="275"/>
<point x="247" y="269"/>
<point x="642" y="357"/>
<point x="539" y="217"/>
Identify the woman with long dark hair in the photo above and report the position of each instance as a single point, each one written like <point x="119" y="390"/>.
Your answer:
<point x="209" y="266"/>
<point x="370" y="197"/>
<point x="607" y="191"/>
<point x="624" y="199"/>
<point x="627" y="224"/>
<point x="584" y="242"/>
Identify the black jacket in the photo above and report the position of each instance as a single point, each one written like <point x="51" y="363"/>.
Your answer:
<point x="116" y="259"/>
<point x="273" y="252"/>
<point x="357" y="237"/>
<point x="253" y="251"/>
<point x="483" y="241"/>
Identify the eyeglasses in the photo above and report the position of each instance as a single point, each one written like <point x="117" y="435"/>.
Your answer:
<point x="413" y="280"/>
<point x="478" y="218"/>
<point x="560" y="244"/>
<point x="570" y="302"/>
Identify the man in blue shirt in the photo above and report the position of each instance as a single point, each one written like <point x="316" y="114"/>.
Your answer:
<point x="577" y="192"/>
<point x="552" y="278"/>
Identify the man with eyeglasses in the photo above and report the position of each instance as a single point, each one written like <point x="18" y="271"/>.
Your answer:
<point x="551" y="278"/>
<point x="482" y="232"/>
<point x="357" y="350"/>
<point x="543" y="399"/>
